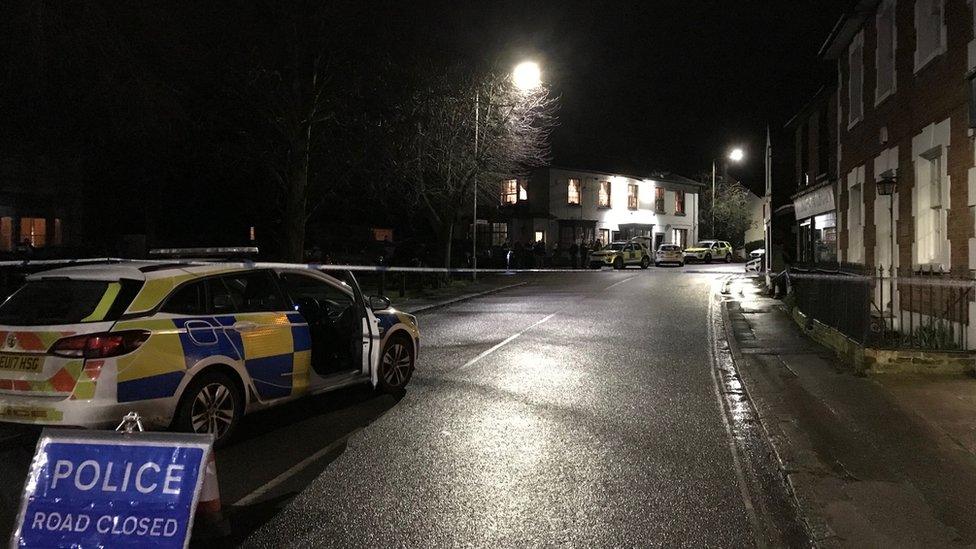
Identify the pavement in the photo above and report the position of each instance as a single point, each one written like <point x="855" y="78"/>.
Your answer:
<point x="885" y="461"/>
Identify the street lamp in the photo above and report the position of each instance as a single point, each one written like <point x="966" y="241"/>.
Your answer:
<point x="887" y="185"/>
<point x="527" y="76"/>
<point x="735" y="155"/>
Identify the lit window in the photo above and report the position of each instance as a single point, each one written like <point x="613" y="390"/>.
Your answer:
<point x="573" y="191"/>
<point x="855" y="81"/>
<point x="679" y="202"/>
<point x="604" y="194"/>
<point x="33" y="230"/>
<point x="499" y="233"/>
<point x="604" y="236"/>
<point x="540" y="236"/>
<point x="885" y="54"/>
<point x="523" y="193"/>
<point x="632" y="202"/>
<point x="659" y="200"/>
<point x="509" y="191"/>
<point x="930" y="31"/>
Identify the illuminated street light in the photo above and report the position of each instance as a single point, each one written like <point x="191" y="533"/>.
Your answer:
<point x="527" y="76"/>
<point x="735" y="155"/>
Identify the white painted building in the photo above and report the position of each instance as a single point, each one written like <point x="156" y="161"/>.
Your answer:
<point x="558" y="205"/>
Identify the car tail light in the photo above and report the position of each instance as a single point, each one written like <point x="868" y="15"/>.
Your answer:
<point x="103" y="345"/>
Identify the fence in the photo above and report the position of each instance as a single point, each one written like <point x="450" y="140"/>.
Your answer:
<point x="923" y="308"/>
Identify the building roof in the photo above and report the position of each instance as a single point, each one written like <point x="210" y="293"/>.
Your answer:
<point x="847" y="28"/>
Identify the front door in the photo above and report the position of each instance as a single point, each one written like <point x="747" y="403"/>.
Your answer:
<point x="334" y="322"/>
<point x="658" y="240"/>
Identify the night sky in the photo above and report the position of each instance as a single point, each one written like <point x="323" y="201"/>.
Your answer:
<point x="652" y="85"/>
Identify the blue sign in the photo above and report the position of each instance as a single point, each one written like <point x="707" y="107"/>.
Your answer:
<point x="106" y="489"/>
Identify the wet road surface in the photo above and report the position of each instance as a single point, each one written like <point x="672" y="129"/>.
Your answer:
<point x="578" y="410"/>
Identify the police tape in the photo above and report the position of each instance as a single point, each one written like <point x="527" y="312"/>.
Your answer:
<point x="281" y="265"/>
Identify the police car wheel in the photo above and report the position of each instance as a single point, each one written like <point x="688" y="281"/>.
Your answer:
<point x="618" y="263"/>
<point x="708" y="258"/>
<point x="728" y="258"/>
<point x="396" y="365"/>
<point x="645" y="263"/>
<point x="211" y="404"/>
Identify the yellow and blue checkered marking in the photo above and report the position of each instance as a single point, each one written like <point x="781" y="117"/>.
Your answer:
<point x="277" y="359"/>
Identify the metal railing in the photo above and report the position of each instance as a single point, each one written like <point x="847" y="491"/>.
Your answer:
<point x="921" y="308"/>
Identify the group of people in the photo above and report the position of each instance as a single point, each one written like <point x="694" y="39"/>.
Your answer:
<point x="534" y="255"/>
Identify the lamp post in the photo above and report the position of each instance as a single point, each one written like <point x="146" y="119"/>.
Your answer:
<point x="735" y="155"/>
<point x="527" y="76"/>
<point x="887" y="185"/>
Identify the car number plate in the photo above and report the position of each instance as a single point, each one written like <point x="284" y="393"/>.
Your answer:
<point x="20" y="363"/>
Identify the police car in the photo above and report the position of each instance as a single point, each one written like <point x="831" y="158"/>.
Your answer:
<point x="189" y="346"/>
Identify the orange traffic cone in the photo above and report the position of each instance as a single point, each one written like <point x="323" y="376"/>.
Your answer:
<point x="209" y="520"/>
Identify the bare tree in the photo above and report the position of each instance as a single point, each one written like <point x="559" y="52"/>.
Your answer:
<point x="437" y="158"/>
<point x="293" y="93"/>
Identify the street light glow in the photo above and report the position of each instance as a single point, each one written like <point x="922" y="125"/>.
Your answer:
<point x="527" y="75"/>
<point x="736" y="155"/>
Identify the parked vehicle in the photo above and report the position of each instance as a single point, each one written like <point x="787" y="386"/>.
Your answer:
<point x="669" y="253"/>
<point x="191" y="347"/>
<point x="621" y="254"/>
<point x="708" y="250"/>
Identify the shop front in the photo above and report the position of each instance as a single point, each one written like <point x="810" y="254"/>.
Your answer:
<point x="816" y="217"/>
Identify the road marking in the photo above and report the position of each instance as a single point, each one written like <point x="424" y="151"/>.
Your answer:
<point x="504" y="342"/>
<point x="740" y="475"/>
<point x="619" y="283"/>
<point x="292" y="471"/>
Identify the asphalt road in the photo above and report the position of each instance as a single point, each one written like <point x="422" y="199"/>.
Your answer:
<point x="583" y="409"/>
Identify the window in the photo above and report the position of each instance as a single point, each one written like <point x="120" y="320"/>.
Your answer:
<point x="604" y="194"/>
<point x="573" y="192"/>
<point x="509" y="191"/>
<point x="679" y="202"/>
<point x="632" y="202"/>
<point x="855" y="217"/>
<point x="33" y="230"/>
<point x="6" y="234"/>
<point x="499" y="233"/>
<point x="884" y="55"/>
<point x="59" y="301"/>
<point x="245" y="293"/>
<point x="659" y="200"/>
<point x="604" y="236"/>
<point x="855" y="81"/>
<point x="523" y="191"/>
<point x="540" y="236"/>
<point x="930" y="31"/>
<point x="57" y="232"/>
<point x="188" y="300"/>
<point x="331" y="298"/>
<point x="680" y="238"/>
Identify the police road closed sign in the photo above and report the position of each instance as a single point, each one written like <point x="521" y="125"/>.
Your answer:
<point x="105" y="489"/>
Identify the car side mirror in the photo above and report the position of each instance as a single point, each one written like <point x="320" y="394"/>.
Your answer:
<point x="379" y="302"/>
<point x="309" y="308"/>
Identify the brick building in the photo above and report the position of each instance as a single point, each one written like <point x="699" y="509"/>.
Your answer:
<point x="904" y="113"/>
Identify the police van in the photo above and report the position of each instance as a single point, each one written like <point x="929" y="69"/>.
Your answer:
<point x="190" y="346"/>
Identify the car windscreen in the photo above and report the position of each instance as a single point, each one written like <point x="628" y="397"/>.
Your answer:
<point x="705" y="244"/>
<point x="614" y="247"/>
<point x="670" y="249"/>
<point x="63" y="301"/>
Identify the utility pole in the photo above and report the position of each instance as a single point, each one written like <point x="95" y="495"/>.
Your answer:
<point x="712" y="207"/>
<point x="474" y="210"/>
